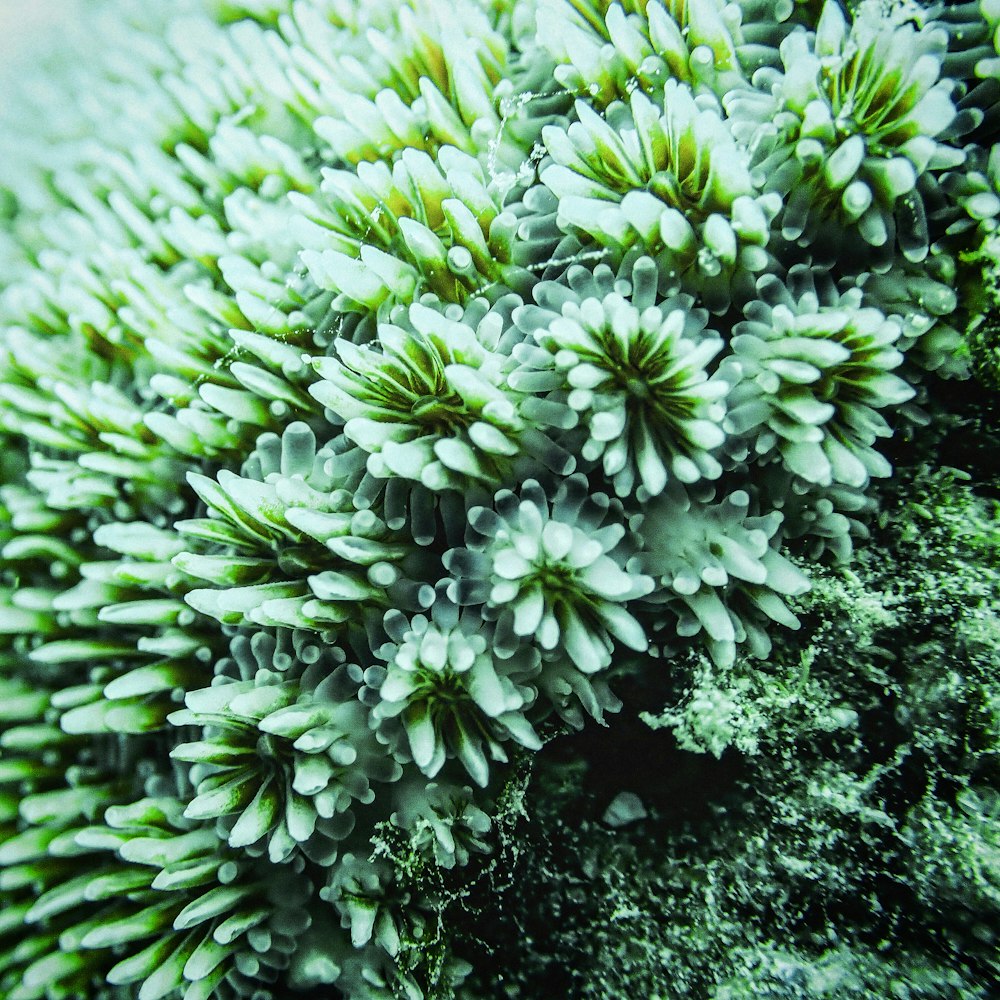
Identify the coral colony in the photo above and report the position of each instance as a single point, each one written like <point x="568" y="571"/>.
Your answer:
<point x="498" y="501"/>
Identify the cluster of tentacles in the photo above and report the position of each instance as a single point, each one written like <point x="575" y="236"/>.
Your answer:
<point x="378" y="382"/>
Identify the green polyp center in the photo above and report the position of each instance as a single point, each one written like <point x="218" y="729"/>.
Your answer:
<point x="271" y="750"/>
<point x="296" y="559"/>
<point x="554" y="578"/>
<point x="862" y="106"/>
<point x="846" y="126"/>
<point x="826" y="389"/>
<point x="666" y="187"/>
<point x="442" y="689"/>
<point x="637" y="388"/>
<point x="440" y="413"/>
<point x="628" y="375"/>
<point x="644" y="394"/>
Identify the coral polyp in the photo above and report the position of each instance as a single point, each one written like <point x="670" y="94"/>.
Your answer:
<point x="420" y="416"/>
<point x="635" y="374"/>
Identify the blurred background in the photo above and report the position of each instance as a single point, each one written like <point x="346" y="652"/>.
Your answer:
<point x="22" y="20"/>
